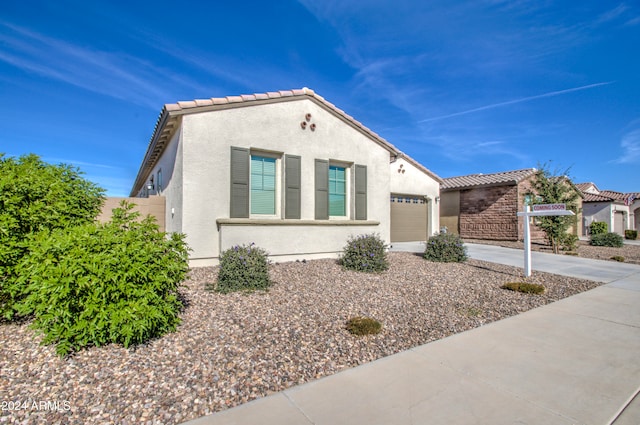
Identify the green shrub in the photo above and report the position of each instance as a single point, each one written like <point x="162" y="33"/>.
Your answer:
<point x="607" y="239"/>
<point x="243" y="268"/>
<point x="365" y="253"/>
<point x="618" y="258"/>
<point x="526" y="288"/>
<point x="97" y="284"/>
<point x="598" y="227"/>
<point x="363" y="326"/>
<point x="445" y="248"/>
<point x="36" y="196"/>
<point x="631" y="234"/>
<point x="569" y="242"/>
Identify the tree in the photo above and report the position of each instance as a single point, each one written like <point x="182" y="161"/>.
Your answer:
<point x="37" y="196"/>
<point x="554" y="188"/>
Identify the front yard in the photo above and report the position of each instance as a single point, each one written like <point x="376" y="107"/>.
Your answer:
<point x="233" y="348"/>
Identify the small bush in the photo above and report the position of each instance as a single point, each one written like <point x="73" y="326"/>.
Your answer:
<point x="631" y="234"/>
<point x="607" y="239"/>
<point x="569" y="242"/>
<point x="365" y="253"/>
<point x="98" y="284"/>
<point x="526" y="288"/>
<point x="618" y="258"/>
<point x="363" y="326"/>
<point x="445" y="248"/>
<point x="243" y="268"/>
<point x="598" y="227"/>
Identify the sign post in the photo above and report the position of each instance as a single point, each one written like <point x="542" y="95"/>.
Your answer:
<point x="538" y="210"/>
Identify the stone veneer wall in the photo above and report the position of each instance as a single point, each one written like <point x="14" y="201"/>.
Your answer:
<point x="489" y="213"/>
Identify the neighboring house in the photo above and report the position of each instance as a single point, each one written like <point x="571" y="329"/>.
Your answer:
<point x="285" y="170"/>
<point x="485" y="206"/>
<point x="621" y="211"/>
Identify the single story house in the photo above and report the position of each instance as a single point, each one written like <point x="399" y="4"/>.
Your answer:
<point x="285" y="170"/>
<point x="621" y="211"/>
<point x="485" y="206"/>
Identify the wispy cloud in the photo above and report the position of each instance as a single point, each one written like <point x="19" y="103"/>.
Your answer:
<point x="515" y="101"/>
<point x="630" y="145"/>
<point x="79" y="163"/>
<point x="118" y="75"/>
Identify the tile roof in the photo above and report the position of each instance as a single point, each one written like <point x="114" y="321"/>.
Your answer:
<point x="494" y="179"/>
<point x="618" y="196"/>
<point x="584" y="186"/>
<point x="592" y="197"/>
<point x="168" y="120"/>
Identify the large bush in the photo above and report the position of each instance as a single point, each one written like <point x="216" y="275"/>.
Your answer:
<point x="365" y="253"/>
<point x="243" y="267"/>
<point x="598" y="227"/>
<point x="607" y="239"/>
<point x="97" y="284"/>
<point x="445" y="248"/>
<point x="36" y="196"/>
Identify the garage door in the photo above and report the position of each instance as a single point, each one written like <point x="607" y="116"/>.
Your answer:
<point x="618" y="222"/>
<point x="408" y="218"/>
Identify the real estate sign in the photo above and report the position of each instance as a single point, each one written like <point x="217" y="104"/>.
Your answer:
<point x="549" y="207"/>
<point x="538" y="211"/>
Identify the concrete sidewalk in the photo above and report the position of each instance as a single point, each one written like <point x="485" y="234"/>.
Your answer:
<point x="575" y="361"/>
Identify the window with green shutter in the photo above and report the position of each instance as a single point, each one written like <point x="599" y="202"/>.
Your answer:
<point x="337" y="191"/>
<point x="263" y="185"/>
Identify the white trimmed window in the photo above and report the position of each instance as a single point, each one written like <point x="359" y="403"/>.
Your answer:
<point x="337" y="191"/>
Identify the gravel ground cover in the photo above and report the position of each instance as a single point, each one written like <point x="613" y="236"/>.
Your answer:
<point x="233" y="348"/>
<point x="631" y="253"/>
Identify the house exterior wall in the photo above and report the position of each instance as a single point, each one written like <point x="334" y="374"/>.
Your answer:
<point x="597" y="211"/>
<point x="407" y="179"/>
<point x="450" y="211"/>
<point x="206" y="139"/>
<point x="153" y="206"/>
<point x="489" y="213"/>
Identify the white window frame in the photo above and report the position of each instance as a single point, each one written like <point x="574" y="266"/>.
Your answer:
<point x="279" y="183"/>
<point x="348" y="166"/>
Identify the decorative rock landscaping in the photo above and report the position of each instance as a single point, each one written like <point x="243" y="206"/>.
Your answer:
<point x="232" y="348"/>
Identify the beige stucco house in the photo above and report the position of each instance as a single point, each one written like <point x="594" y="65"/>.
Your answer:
<point x="621" y="211"/>
<point x="285" y="170"/>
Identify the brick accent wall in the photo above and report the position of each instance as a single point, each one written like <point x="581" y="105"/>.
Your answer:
<point x="489" y="213"/>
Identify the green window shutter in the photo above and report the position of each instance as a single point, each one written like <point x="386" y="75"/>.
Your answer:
<point x="263" y="185"/>
<point x="292" y="187"/>
<point x="239" y="207"/>
<point x="321" y="189"/>
<point x="337" y="191"/>
<point x="361" y="191"/>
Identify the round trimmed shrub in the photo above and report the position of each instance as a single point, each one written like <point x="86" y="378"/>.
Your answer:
<point x="607" y="239"/>
<point x="243" y="268"/>
<point x="365" y="253"/>
<point x="598" y="227"/>
<point x="445" y="248"/>
<point x="98" y="284"/>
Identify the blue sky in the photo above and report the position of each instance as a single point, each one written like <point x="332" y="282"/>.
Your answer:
<point x="461" y="86"/>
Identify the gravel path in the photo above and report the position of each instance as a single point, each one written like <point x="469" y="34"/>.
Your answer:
<point x="233" y="348"/>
